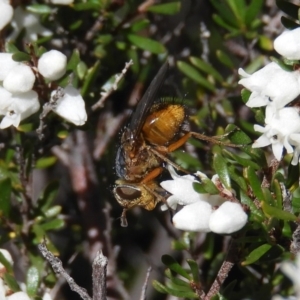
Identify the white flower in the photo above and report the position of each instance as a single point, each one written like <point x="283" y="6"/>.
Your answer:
<point x="52" y="64"/>
<point x="62" y="2"/>
<point x="6" y="13"/>
<point x="279" y="126"/>
<point x="18" y="296"/>
<point x="228" y="218"/>
<point x="271" y="84"/>
<point x="292" y="270"/>
<point x="197" y="213"/>
<point x="6" y="64"/>
<point x="71" y="106"/>
<point x="288" y="44"/>
<point x="294" y="140"/>
<point x="2" y="290"/>
<point x="28" y="21"/>
<point x="20" y="79"/>
<point x="17" y="107"/>
<point x="194" y="217"/>
<point x="47" y="296"/>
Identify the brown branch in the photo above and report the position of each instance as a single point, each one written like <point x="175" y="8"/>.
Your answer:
<point x="106" y="94"/>
<point x="99" y="276"/>
<point x="224" y="270"/>
<point x="58" y="269"/>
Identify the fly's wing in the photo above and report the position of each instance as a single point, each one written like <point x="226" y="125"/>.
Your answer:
<point x="145" y="104"/>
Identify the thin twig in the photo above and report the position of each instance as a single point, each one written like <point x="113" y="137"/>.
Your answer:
<point x="224" y="270"/>
<point x="47" y="107"/>
<point x="145" y="285"/>
<point x="106" y="94"/>
<point x="58" y="269"/>
<point x="99" y="276"/>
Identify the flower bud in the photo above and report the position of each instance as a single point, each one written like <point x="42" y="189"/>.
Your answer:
<point x="52" y="64"/>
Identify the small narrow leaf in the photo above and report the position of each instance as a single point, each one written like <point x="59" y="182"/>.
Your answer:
<point x="275" y="212"/>
<point x="146" y="44"/>
<point x="193" y="73"/>
<point x="5" y="188"/>
<point x="256" y="254"/>
<point x="220" y="166"/>
<point x="39" y="8"/>
<point x="225" y="59"/>
<point x="11" y="282"/>
<point x="205" y="67"/>
<point x="173" y="265"/>
<point x="32" y="281"/>
<point x="255" y="183"/>
<point x="170" y="8"/>
<point x="194" y="270"/>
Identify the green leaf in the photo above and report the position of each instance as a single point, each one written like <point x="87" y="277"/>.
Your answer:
<point x="292" y="181"/>
<point x="53" y="211"/>
<point x="256" y="213"/>
<point x="238" y="8"/>
<point x="220" y="166"/>
<point x="49" y="194"/>
<point x="5" y="263"/>
<point x="275" y="212"/>
<point x="73" y="61"/>
<point x="225" y="59"/>
<point x="256" y="254"/>
<point x="194" y="270"/>
<point x="11" y="48"/>
<point x="32" y="280"/>
<point x="160" y="287"/>
<point x="146" y="44"/>
<point x="245" y="95"/>
<point x="207" y="68"/>
<point x="39" y="9"/>
<point x="205" y="186"/>
<point x="245" y="162"/>
<point x="139" y="25"/>
<point x="90" y="78"/>
<point x="5" y="188"/>
<point x="255" y="183"/>
<point x="288" y="23"/>
<point x="193" y="73"/>
<point x="236" y="176"/>
<point x="45" y="162"/>
<point x="289" y="8"/>
<point x="53" y="225"/>
<point x="236" y="135"/>
<point x="170" y="8"/>
<point x="225" y="14"/>
<point x="252" y="11"/>
<point x="81" y="69"/>
<point x="220" y="21"/>
<point x="21" y="56"/>
<point x="11" y="282"/>
<point x="87" y="6"/>
<point x="167" y="290"/>
<point x="173" y="265"/>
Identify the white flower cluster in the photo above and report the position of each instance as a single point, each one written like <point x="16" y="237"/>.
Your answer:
<point x="5" y="292"/>
<point x="198" y="212"/>
<point x="292" y="270"/>
<point x="275" y="88"/>
<point x="18" y="100"/>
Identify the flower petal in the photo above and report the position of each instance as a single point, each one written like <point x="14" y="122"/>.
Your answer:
<point x="228" y="218"/>
<point x="193" y="217"/>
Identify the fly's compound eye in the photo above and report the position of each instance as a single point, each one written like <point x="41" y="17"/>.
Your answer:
<point x="125" y="193"/>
